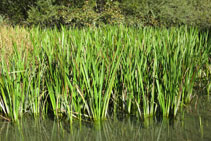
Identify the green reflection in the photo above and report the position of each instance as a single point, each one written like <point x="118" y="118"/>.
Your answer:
<point x="192" y="125"/>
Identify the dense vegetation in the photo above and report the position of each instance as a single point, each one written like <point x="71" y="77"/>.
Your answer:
<point x="98" y="12"/>
<point x="100" y="72"/>
<point x="99" y="58"/>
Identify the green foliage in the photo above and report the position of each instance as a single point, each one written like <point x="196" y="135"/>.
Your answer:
<point x="84" y="16"/>
<point x="47" y="14"/>
<point x="112" y="14"/>
<point x="98" y="12"/>
<point x="16" y="10"/>
<point x="44" y="13"/>
<point x="97" y="72"/>
<point x="2" y="19"/>
<point x="167" y="13"/>
<point x="189" y="12"/>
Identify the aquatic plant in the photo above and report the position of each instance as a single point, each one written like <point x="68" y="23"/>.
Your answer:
<point x="95" y="73"/>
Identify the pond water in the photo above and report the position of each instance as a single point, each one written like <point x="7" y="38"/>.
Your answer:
<point x="194" y="124"/>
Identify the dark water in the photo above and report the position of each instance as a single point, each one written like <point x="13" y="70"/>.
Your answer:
<point x="194" y="124"/>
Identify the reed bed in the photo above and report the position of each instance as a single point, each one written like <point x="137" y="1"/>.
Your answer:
<point x="95" y="73"/>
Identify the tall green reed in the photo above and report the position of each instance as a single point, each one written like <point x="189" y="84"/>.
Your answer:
<point x="97" y="72"/>
<point x="13" y="84"/>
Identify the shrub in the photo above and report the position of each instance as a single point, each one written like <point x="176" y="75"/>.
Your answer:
<point x="44" y="13"/>
<point x="48" y="14"/>
<point x="16" y="10"/>
<point x="97" y="12"/>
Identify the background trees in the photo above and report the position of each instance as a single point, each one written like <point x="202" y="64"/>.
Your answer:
<point x="97" y="12"/>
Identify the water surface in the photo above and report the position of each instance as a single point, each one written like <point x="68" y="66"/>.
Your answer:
<point x="193" y="125"/>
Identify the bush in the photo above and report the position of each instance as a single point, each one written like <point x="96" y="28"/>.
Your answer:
<point x="16" y="10"/>
<point x="97" y="12"/>
<point x="45" y="13"/>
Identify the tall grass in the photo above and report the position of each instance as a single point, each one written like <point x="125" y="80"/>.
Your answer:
<point x="95" y="73"/>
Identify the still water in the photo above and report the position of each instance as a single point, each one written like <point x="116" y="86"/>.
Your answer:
<point x="193" y="125"/>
